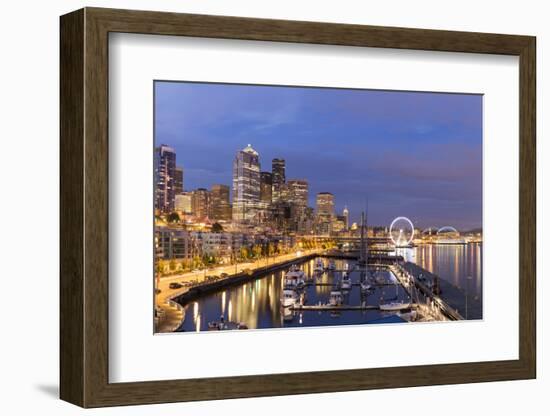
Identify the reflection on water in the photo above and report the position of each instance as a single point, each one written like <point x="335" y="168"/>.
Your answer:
<point x="257" y="303"/>
<point x="454" y="263"/>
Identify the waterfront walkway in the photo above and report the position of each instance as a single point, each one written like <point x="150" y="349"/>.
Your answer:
<point x="171" y="314"/>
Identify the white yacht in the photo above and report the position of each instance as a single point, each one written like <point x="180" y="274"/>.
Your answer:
<point x="336" y="298"/>
<point x="294" y="278"/>
<point x="290" y="298"/>
<point x="345" y="283"/>
<point x="408" y="316"/>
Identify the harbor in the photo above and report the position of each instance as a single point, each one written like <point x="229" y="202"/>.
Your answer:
<point x="328" y="290"/>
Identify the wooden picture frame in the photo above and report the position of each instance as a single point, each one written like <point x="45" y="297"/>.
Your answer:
<point x="84" y="207"/>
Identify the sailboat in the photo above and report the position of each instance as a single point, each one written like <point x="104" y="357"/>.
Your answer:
<point x="395" y="306"/>
<point x="345" y="283"/>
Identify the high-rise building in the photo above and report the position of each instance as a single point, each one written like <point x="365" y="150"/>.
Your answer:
<point x="278" y="178"/>
<point x="246" y="185"/>
<point x="220" y="207"/>
<point x="325" y="212"/>
<point x="201" y="203"/>
<point x="298" y="192"/>
<point x="178" y="180"/>
<point x="266" y="183"/>
<point x="345" y="214"/>
<point x="165" y="167"/>
<point x="184" y="202"/>
<point x="325" y="204"/>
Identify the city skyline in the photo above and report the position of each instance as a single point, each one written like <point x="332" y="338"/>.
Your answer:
<point x="417" y="177"/>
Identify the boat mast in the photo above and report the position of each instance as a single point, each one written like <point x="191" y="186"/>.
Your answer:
<point x="362" y="254"/>
<point x="367" y="232"/>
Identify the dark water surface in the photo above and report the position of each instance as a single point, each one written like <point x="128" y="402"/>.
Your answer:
<point x="454" y="263"/>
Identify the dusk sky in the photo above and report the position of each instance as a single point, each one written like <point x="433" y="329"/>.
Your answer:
<point x="411" y="154"/>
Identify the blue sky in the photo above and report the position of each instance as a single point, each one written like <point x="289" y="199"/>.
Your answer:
<point x="410" y="153"/>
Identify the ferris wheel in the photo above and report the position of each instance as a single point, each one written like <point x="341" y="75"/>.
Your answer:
<point x="401" y="232"/>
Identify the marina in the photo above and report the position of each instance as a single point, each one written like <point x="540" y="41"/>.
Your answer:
<point x="342" y="291"/>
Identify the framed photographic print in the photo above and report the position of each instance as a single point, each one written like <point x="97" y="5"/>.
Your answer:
<point x="240" y="197"/>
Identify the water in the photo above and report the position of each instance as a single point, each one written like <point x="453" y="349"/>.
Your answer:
<point x="257" y="303"/>
<point x="454" y="263"/>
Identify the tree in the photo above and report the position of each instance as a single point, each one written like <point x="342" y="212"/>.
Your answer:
<point x="197" y="262"/>
<point x="217" y="228"/>
<point x="244" y="252"/>
<point x="173" y="217"/>
<point x="160" y="266"/>
<point x="257" y="250"/>
<point x="172" y="265"/>
<point x="271" y="249"/>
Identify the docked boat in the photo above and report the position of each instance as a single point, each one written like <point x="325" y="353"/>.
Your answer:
<point x="289" y="298"/>
<point x="394" y="306"/>
<point x="288" y="314"/>
<point x="223" y="325"/>
<point x="336" y="298"/>
<point x="345" y="283"/>
<point x="319" y="266"/>
<point x="408" y="316"/>
<point x="295" y="278"/>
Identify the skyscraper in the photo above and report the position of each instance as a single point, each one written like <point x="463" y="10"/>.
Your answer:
<point x="278" y="177"/>
<point x="219" y="202"/>
<point x="246" y="184"/>
<point x="266" y="183"/>
<point x="178" y="180"/>
<point x="200" y="202"/>
<point x="325" y="204"/>
<point x="325" y="212"/>
<point x="165" y="166"/>
<point x="345" y="214"/>
<point x="298" y="192"/>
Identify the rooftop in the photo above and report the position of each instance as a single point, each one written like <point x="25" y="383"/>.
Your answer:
<point x="249" y="149"/>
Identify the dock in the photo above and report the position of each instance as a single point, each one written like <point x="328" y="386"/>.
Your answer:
<point x="353" y="284"/>
<point x="339" y="307"/>
<point x="451" y="297"/>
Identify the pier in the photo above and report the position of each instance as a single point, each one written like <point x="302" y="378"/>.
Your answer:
<point x="340" y="307"/>
<point x="452" y="299"/>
